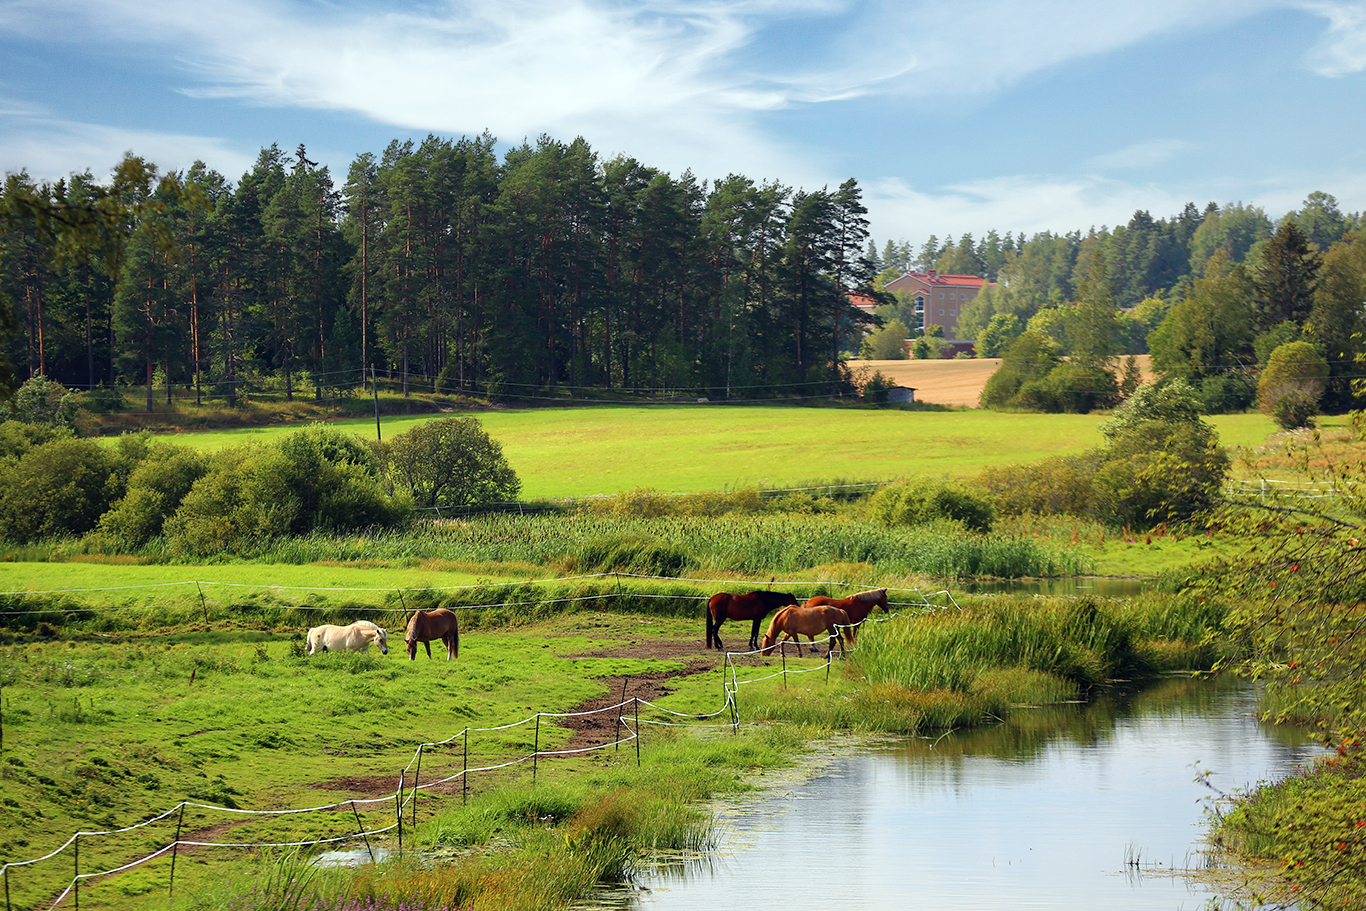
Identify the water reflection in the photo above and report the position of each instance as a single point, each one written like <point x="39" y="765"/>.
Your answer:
<point x="1071" y="807"/>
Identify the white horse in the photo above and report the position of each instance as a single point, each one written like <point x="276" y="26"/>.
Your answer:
<point x="358" y="637"/>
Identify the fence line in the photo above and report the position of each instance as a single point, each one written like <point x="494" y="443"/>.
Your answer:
<point x="403" y="796"/>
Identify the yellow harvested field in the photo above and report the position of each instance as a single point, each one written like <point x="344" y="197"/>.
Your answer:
<point x="952" y="382"/>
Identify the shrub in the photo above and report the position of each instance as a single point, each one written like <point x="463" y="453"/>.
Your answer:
<point x="1057" y="486"/>
<point x="316" y="479"/>
<point x="154" y="492"/>
<point x="1029" y="359"/>
<point x="451" y="462"/>
<point x="18" y="437"/>
<point x="1292" y="383"/>
<point x="336" y="478"/>
<point x="1227" y="393"/>
<point x="922" y="501"/>
<point x="887" y="343"/>
<point x="238" y="502"/>
<point x="44" y="401"/>
<point x="1159" y="472"/>
<point x="57" y="488"/>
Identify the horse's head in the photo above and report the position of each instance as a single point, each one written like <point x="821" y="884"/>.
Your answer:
<point x="769" y="643"/>
<point x="382" y="640"/>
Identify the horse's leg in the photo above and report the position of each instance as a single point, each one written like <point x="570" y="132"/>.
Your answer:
<point x="754" y="633"/>
<point x="427" y="643"/>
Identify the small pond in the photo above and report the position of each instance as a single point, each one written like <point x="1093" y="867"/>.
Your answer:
<point x="1066" y="807"/>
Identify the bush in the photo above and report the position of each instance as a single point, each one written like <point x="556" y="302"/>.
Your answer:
<point x="57" y="488"/>
<point x="922" y="501"/>
<point x="887" y="343"/>
<point x="44" y="401"/>
<point x="1159" y="472"/>
<point x="1292" y="384"/>
<point x="1029" y="359"/>
<point x="1227" y="393"/>
<point x="451" y="462"/>
<point x="316" y="479"/>
<point x="154" y="492"/>
<point x="1057" y="486"/>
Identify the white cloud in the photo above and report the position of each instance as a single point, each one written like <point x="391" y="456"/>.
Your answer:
<point x="934" y="48"/>
<point x="1033" y="203"/>
<point x="1144" y="154"/>
<point x="50" y="148"/>
<point x="1343" y="49"/>
<point x="679" y="83"/>
<point x="1028" y="203"/>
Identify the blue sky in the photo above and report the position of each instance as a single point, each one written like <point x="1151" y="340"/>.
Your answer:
<point x="953" y="116"/>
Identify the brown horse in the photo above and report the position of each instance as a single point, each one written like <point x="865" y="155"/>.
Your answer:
<point x="858" y="607"/>
<point x="424" y="626"/>
<point x="820" y="620"/>
<point x="754" y="606"/>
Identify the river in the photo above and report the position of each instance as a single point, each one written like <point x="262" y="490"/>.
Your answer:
<point x="1092" y="806"/>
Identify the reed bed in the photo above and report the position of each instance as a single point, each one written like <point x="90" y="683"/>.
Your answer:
<point x="1083" y="642"/>
<point x="583" y="542"/>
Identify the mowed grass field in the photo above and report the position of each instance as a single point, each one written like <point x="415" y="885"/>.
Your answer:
<point x="575" y="452"/>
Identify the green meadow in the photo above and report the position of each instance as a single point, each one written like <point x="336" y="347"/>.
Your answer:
<point x="575" y="452"/>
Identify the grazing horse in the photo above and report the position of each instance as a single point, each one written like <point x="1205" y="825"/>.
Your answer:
<point x="820" y="620"/>
<point x="858" y="607"/>
<point x="358" y="637"/>
<point x="424" y="626"/>
<point x="754" y="606"/>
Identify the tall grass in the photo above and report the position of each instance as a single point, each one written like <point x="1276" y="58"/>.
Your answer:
<point x="1085" y="642"/>
<point x="669" y="545"/>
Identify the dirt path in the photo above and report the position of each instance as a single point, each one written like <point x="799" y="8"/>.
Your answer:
<point x="589" y="729"/>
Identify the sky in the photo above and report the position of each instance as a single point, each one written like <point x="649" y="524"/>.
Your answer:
<point x="954" y="117"/>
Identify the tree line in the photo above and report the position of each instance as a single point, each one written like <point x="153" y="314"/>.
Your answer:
<point x="546" y="269"/>
<point x="1210" y="293"/>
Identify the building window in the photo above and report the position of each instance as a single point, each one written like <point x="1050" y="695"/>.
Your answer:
<point x="941" y="312"/>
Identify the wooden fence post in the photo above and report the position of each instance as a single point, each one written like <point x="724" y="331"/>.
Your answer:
<point x="360" y="826"/>
<point x="175" y="847"/>
<point x="417" y="774"/>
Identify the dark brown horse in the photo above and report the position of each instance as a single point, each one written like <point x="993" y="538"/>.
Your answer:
<point x="755" y="606"/>
<point x="858" y="607"/>
<point x="424" y="626"/>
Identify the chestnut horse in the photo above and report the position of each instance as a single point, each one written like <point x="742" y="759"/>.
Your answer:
<point x="811" y="622"/>
<point x="424" y="626"/>
<point x="858" y="607"/>
<point x="754" y="606"/>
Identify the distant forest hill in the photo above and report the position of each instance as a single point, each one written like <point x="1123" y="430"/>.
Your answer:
<point x="1146" y="267"/>
<point x="438" y="264"/>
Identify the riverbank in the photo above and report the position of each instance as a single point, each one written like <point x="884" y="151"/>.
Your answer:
<point x="143" y="717"/>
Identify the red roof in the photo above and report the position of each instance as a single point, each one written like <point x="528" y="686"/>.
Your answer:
<point x="862" y="301"/>
<point x="942" y="280"/>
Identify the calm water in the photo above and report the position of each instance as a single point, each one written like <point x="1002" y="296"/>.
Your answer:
<point x="1047" y="812"/>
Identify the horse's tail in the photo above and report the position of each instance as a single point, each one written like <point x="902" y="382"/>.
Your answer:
<point x="455" y="635"/>
<point x="711" y="623"/>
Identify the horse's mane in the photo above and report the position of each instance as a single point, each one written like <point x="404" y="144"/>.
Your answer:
<point x="876" y="594"/>
<point x="365" y="623"/>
